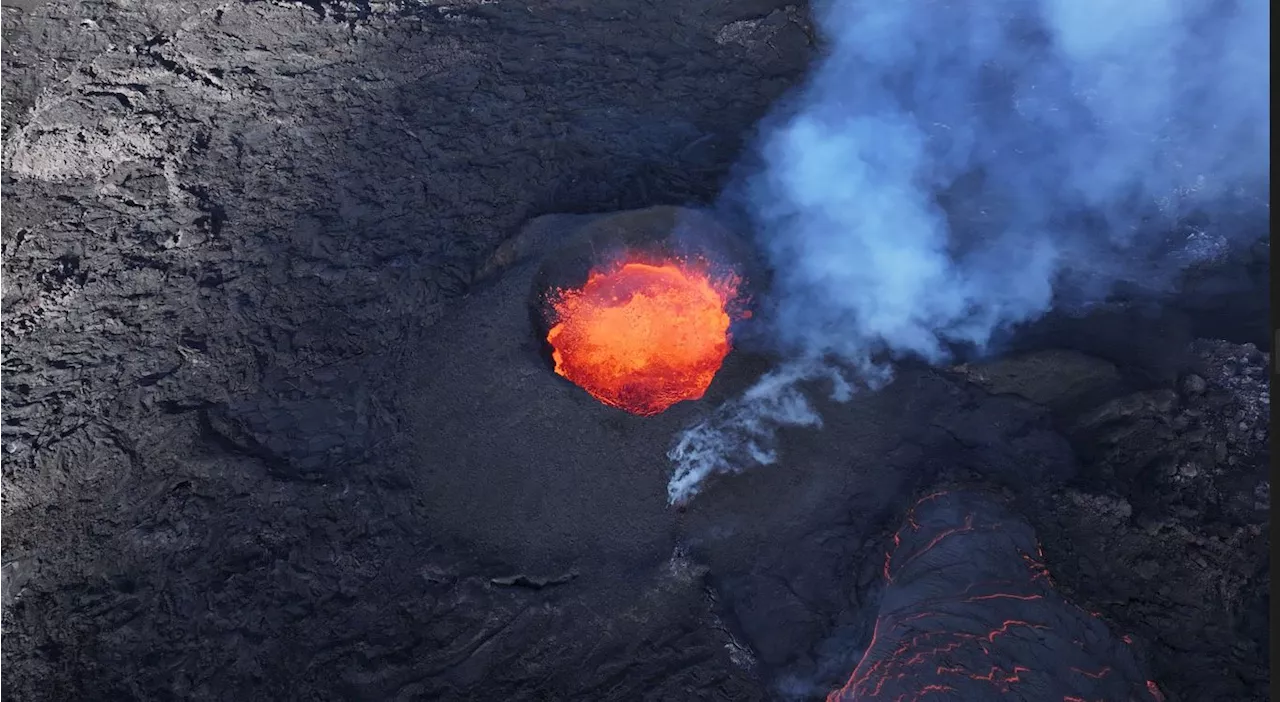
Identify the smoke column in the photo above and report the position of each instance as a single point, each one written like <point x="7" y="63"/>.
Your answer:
<point x="952" y="169"/>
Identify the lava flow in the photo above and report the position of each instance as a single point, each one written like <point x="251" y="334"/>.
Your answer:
<point x="643" y="335"/>
<point x="969" y="612"/>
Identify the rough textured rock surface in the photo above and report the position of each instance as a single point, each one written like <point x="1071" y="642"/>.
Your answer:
<point x="1165" y="531"/>
<point x="214" y="215"/>
<point x="969" y="612"/>
<point x="231" y="232"/>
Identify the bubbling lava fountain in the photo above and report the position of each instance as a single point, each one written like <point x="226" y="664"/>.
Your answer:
<point x="642" y="335"/>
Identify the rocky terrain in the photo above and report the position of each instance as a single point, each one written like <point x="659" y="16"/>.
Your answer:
<point x="1164" y="532"/>
<point x="253" y="324"/>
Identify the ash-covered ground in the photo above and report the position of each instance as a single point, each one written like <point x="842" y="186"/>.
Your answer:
<point x="268" y="435"/>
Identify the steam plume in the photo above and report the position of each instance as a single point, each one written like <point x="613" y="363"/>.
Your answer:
<point x="952" y="169"/>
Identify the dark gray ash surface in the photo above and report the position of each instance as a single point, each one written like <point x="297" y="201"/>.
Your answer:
<point x="243" y="352"/>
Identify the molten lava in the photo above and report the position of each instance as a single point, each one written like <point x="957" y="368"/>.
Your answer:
<point x="642" y="336"/>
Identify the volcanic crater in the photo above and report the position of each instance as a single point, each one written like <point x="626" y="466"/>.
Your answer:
<point x="281" y="418"/>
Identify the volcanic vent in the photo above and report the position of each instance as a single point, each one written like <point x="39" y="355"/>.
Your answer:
<point x="637" y="308"/>
<point x="556" y="475"/>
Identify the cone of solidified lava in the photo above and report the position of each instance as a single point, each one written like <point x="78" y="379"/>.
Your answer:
<point x="636" y="309"/>
<point x="969" y="613"/>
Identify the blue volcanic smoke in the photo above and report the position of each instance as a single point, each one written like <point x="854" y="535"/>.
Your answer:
<point x="1086" y="132"/>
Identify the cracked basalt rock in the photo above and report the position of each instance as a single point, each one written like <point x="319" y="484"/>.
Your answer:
<point x="250" y="254"/>
<point x="1166" y="525"/>
<point x="224" y="227"/>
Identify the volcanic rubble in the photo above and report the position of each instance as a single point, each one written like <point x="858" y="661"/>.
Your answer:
<point x="277" y="425"/>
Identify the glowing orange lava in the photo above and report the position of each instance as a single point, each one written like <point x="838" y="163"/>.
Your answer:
<point x="642" y="336"/>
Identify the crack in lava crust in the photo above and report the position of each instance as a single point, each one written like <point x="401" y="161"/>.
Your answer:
<point x="643" y="335"/>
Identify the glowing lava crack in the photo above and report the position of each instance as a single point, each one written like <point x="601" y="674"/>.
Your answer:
<point x="642" y="336"/>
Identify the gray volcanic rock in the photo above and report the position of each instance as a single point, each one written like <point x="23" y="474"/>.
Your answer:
<point x="275" y="424"/>
<point x="225" y="227"/>
<point x="1166" y="527"/>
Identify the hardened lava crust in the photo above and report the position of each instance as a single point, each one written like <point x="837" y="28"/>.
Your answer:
<point x="276" y="424"/>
